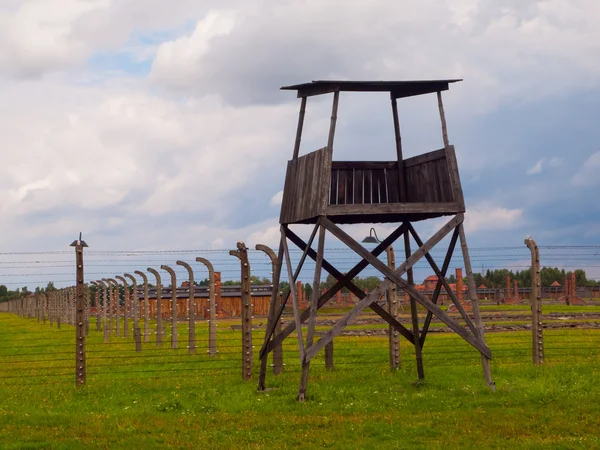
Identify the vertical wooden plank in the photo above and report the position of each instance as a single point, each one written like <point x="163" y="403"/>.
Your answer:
<point x="349" y="187"/>
<point x="341" y="188"/>
<point x="333" y="187"/>
<point x="358" y="186"/>
<point x="367" y="186"/>
<point x="392" y="186"/>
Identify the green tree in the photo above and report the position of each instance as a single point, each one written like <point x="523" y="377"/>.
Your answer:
<point x="3" y="291"/>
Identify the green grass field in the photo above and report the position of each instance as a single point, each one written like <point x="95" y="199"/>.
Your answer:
<point x="167" y="398"/>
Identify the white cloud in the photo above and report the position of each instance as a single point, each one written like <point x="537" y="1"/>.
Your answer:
<point x="588" y="173"/>
<point x="277" y="199"/>
<point x="505" y="50"/>
<point x="537" y="168"/>
<point x="556" y="161"/>
<point x="486" y="217"/>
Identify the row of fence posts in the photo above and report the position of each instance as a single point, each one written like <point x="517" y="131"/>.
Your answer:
<point x="71" y="305"/>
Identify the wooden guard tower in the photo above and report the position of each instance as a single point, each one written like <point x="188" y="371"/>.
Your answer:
<point x="328" y="193"/>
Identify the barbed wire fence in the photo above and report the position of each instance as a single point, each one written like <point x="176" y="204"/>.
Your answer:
<point x="38" y="335"/>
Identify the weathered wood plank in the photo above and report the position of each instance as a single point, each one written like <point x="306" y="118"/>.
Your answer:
<point x="367" y="186"/>
<point x="358" y="186"/>
<point x="454" y="177"/>
<point x="364" y="165"/>
<point x="394" y="208"/>
<point x="341" y="187"/>
<point x="425" y="157"/>
<point x="305" y="193"/>
<point x="392" y="183"/>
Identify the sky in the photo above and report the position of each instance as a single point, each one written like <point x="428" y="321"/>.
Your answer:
<point x="154" y="125"/>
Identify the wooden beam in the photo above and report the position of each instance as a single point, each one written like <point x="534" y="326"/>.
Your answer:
<point x="271" y="328"/>
<point x="299" y="129"/>
<point x="399" y="157"/>
<point x="475" y="304"/>
<point x="414" y="315"/>
<point x="313" y="313"/>
<point x="425" y="157"/>
<point x="345" y="281"/>
<point x="334" y="109"/>
<point x="441" y="277"/>
<point x="348" y="277"/>
<point x="288" y="264"/>
<point x="394" y="276"/>
<point x="395" y="208"/>
<point x="443" y="120"/>
<point x="438" y="286"/>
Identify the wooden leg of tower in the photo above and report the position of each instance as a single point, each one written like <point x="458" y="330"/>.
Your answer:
<point x="313" y="313"/>
<point x="413" y="311"/>
<point x="297" y="320"/>
<point x="272" y="320"/>
<point x="485" y="362"/>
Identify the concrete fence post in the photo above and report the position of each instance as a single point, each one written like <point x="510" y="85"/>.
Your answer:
<point x="80" y="366"/>
<point x="392" y="304"/>
<point x="146" y="306"/>
<point x="212" y="308"/>
<point x="246" y="297"/>
<point x="125" y="305"/>
<point x="134" y="304"/>
<point x="191" y="308"/>
<point x="275" y="271"/>
<point x="159" y="327"/>
<point x="536" y="303"/>
<point x="173" y="305"/>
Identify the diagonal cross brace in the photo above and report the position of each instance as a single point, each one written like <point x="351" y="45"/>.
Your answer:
<point x="394" y="276"/>
<point x="441" y="277"/>
<point x="271" y="325"/>
<point x="355" y="289"/>
<point x="438" y="286"/>
<point x="289" y="329"/>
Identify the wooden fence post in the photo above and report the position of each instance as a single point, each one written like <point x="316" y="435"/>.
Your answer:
<point x="246" y="297"/>
<point x="536" y="303"/>
<point x="191" y="308"/>
<point x="80" y="368"/>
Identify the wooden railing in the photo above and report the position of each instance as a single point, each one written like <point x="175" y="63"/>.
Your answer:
<point x="359" y="182"/>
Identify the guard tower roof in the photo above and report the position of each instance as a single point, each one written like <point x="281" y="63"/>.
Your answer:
<point x="397" y="89"/>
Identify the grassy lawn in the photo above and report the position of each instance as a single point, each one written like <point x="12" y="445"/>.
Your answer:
<point x="167" y="398"/>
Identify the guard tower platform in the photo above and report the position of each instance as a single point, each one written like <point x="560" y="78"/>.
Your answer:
<point x="422" y="187"/>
